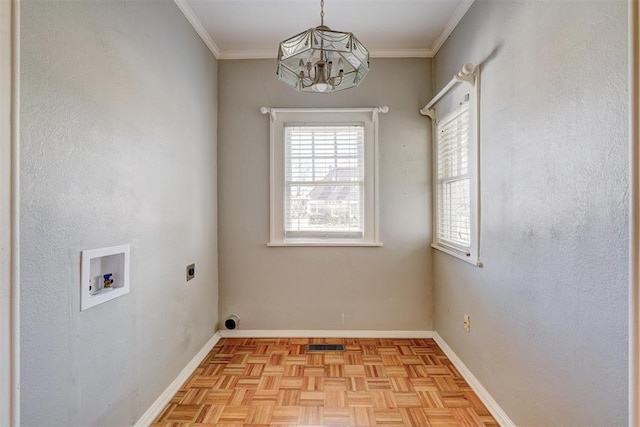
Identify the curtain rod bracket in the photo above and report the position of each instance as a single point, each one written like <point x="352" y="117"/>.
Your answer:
<point x="467" y="74"/>
<point x="270" y="111"/>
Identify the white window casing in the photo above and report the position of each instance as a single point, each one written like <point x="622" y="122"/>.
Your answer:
<point x="454" y="112"/>
<point x="324" y="176"/>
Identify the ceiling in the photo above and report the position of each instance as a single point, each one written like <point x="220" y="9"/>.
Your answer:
<point x="241" y="29"/>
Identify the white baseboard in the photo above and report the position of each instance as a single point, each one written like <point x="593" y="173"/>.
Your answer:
<point x="157" y="406"/>
<point x="498" y="413"/>
<point x="259" y="333"/>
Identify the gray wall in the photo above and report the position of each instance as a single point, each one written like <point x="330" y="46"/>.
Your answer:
<point x="310" y="288"/>
<point x="549" y="309"/>
<point x="118" y="125"/>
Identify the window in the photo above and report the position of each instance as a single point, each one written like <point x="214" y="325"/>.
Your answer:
<point x="455" y="174"/>
<point x="323" y="177"/>
<point x="324" y="180"/>
<point x="453" y="217"/>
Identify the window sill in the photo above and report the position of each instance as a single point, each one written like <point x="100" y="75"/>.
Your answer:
<point x="460" y="255"/>
<point x="323" y="243"/>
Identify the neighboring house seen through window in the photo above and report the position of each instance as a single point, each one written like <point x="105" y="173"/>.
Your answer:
<point x="324" y="180"/>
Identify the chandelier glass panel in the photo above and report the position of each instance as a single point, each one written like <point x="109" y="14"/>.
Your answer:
<point x="322" y="60"/>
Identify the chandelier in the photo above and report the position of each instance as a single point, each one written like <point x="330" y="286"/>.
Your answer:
<point x="322" y="60"/>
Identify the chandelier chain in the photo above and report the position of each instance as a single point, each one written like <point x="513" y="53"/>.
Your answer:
<point x="321" y="12"/>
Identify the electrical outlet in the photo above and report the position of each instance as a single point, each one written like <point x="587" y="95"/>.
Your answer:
<point x="467" y="323"/>
<point x="191" y="271"/>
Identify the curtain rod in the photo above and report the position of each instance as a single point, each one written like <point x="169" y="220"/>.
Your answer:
<point x="273" y="111"/>
<point x="466" y="74"/>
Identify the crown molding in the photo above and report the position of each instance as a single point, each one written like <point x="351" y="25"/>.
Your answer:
<point x="451" y="25"/>
<point x="197" y="25"/>
<point x="457" y="16"/>
<point x="249" y="54"/>
<point x="400" y="53"/>
<point x="374" y="53"/>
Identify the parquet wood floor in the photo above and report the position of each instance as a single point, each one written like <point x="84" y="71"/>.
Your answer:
<point x="375" y="382"/>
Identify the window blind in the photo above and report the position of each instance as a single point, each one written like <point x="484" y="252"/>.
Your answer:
<point x="324" y="180"/>
<point x="453" y="220"/>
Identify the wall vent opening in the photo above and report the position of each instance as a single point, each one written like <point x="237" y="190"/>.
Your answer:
<point x="325" y="347"/>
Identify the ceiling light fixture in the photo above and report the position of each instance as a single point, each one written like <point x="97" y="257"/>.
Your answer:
<point x="307" y="61"/>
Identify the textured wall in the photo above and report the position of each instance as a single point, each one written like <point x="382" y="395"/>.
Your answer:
<point x="309" y="288"/>
<point x="118" y="146"/>
<point x="549" y="309"/>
